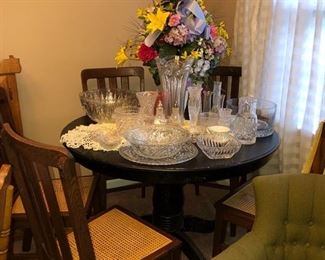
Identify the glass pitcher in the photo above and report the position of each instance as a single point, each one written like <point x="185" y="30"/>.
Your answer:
<point x="245" y="123"/>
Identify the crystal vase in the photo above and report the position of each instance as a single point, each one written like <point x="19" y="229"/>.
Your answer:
<point x="194" y="103"/>
<point x="173" y="74"/>
<point x="147" y="100"/>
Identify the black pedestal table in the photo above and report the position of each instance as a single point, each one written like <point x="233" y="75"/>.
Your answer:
<point x="168" y="181"/>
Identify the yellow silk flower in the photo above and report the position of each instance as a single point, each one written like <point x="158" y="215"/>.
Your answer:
<point x="121" y="56"/>
<point x="196" y="54"/>
<point x="157" y="21"/>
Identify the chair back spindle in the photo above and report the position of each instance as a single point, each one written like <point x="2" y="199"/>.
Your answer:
<point x="111" y="78"/>
<point x="229" y="76"/>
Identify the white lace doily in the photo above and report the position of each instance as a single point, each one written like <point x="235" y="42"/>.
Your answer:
<point x="97" y="137"/>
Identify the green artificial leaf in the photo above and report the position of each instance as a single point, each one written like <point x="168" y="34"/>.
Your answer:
<point x="167" y="50"/>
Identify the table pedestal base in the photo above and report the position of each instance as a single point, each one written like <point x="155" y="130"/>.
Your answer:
<point x="168" y="201"/>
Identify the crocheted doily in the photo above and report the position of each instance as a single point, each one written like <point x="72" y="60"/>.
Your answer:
<point x="97" y="137"/>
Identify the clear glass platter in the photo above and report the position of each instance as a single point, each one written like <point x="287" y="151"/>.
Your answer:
<point x="187" y="152"/>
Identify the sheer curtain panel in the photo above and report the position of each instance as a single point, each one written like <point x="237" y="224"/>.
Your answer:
<point x="281" y="47"/>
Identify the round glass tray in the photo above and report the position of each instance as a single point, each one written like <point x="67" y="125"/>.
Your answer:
<point x="187" y="152"/>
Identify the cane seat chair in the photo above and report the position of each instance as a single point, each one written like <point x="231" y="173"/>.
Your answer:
<point x="112" y="78"/>
<point x="238" y="207"/>
<point x="113" y="235"/>
<point x="10" y="113"/>
<point x="6" y="196"/>
<point x="229" y="76"/>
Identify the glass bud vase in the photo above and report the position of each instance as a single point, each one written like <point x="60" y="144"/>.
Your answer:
<point x="245" y="123"/>
<point x="194" y="103"/>
<point x="173" y="74"/>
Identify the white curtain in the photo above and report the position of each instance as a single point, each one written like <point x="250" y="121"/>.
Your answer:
<point x="280" y="45"/>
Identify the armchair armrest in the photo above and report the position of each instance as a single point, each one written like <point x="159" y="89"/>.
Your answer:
<point x="249" y="247"/>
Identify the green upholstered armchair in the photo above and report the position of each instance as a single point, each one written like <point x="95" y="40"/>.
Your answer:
<point x="289" y="223"/>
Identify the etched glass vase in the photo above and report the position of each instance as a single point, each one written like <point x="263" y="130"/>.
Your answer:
<point x="194" y="103"/>
<point x="173" y="74"/>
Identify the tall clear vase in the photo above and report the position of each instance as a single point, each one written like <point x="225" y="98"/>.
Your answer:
<point x="173" y="74"/>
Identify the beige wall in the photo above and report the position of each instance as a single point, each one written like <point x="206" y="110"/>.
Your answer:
<point x="55" y="40"/>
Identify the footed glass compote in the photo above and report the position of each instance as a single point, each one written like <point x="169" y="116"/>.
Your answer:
<point x="173" y="73"/>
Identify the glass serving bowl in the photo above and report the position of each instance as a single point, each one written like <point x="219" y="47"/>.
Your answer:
<point x="218" y="145"/>
<point x="157" y="141"/>
<point x="99" y="104"/>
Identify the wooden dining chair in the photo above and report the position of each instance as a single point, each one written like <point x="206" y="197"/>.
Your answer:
<point x="114" y="234"/>
<point x="112" y="78"/>
<point x="238" y="207"/>
<point x="230" y="78"/>
<point x="10" y="113"/>
<point x="6" y="197"/>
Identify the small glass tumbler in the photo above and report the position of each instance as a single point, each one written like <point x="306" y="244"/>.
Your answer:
<point x="147" y="100"/>
<point x="225" y="116"/>
<point x="208" y="119"/>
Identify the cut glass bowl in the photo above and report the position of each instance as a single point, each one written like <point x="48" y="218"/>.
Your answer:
<point x="99" y="104"/>
<point x="218" y="145"/>
<point x="157" y="141"/>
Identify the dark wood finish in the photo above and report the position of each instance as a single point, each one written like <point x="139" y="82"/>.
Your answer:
<point x="31" y="161"/>
<point x="230" y="77"/>
<point x="227" y="215"/>
<point x="108" y="78"/>
<point x="168" y="181"/>
<point x="112" y="75"/>
<point x="199" y="169"/>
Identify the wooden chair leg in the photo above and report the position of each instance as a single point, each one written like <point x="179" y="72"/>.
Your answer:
<point x="234" y="183"/>
<point x="232" y="229"/>
<point x="219" y="233"/>
<point x="27" y="240"/>
<point x="197" y="189"/>
<point x="143" y="191"/>
<point x="100" y="195"/>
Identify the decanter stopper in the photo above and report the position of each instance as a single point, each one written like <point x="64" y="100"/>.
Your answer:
<point x="160" y="118"/>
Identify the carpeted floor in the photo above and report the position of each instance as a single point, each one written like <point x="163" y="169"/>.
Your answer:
<point x="200" y="206"/>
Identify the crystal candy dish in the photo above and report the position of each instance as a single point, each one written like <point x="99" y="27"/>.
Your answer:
<point x="157" y="141"/>
<point x="218" y="146"/>
<point x="100" y="104"/>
